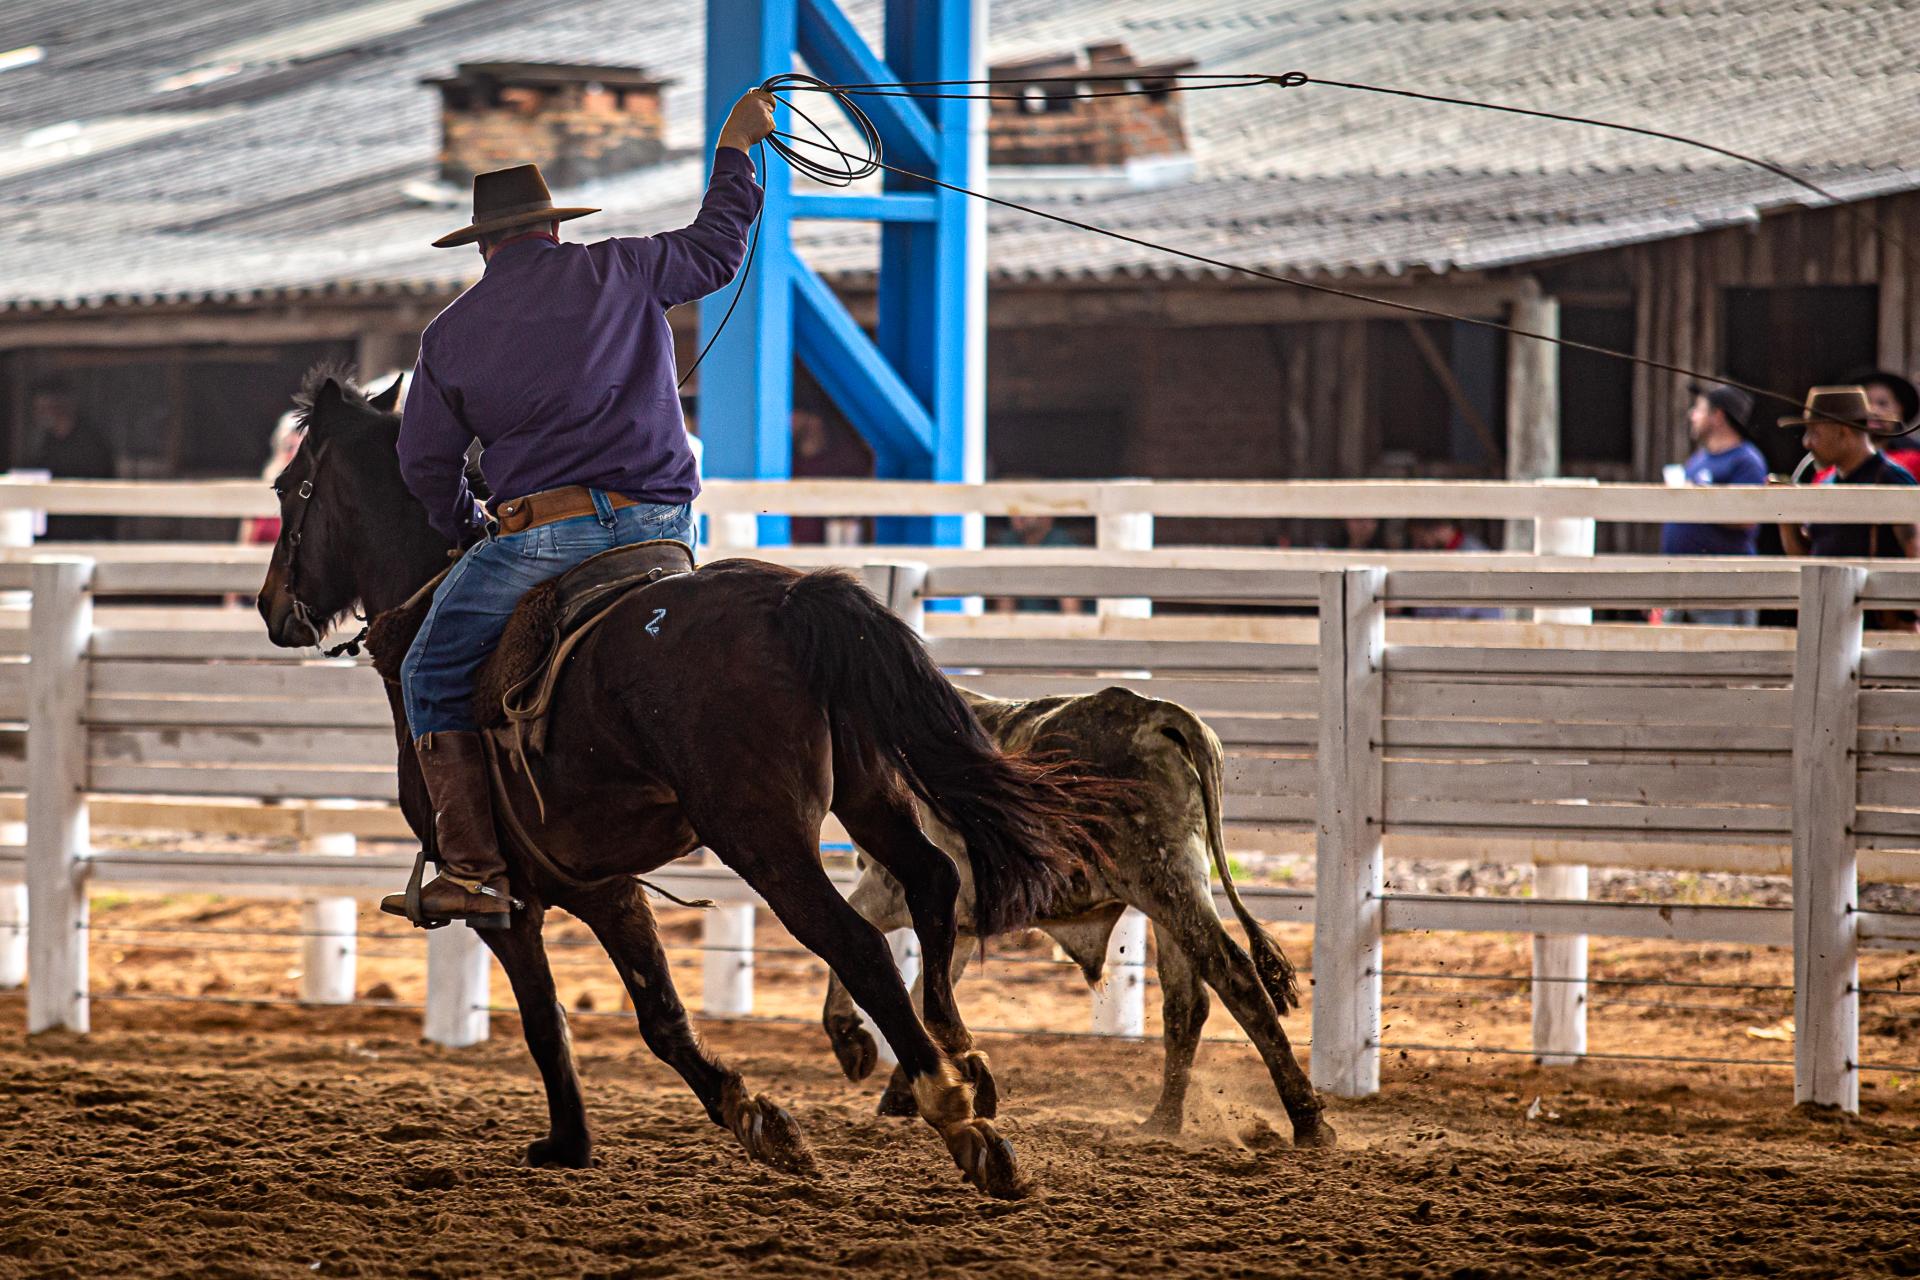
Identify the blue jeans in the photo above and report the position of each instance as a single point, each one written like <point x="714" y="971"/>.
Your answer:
<point x="473" y="602"/>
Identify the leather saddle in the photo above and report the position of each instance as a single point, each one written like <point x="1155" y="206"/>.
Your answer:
<point x="515" y="687"/>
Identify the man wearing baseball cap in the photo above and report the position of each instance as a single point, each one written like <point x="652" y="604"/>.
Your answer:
<point x="1723" y="455"/>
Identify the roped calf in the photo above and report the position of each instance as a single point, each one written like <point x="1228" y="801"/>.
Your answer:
<point x="1165" y="831"/>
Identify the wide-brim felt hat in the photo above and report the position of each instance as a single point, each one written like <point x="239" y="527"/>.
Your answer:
<point x="507" y="198"/>
<point x="1847" y="406"/>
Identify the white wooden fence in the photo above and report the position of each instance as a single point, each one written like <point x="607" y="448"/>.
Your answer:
<point x="1542" y="742"/>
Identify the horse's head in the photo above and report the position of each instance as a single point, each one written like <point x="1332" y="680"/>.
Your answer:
<point x="342" y="478"/>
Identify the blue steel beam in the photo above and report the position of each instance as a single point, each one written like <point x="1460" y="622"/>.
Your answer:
<point x="837" y="53"/>
<point x="926" y="302"/>
<point x="883" y="208"/>
<point x="851" y="369"/>
<point x="746" y="382"/>
<point x="915" y="390"/>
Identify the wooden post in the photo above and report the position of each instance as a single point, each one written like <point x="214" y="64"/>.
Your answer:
<point x="457" y="971"/>
<point x="1533" y="400"/>
<point x="905" y="945"/>
<point x="1826" y="945"/>
<point x="331" y="950"/>
<point x="726" y="966"/>
<point x="1125" y="531"/>
<point x="1347" y="933"/>
<point x="1560" y="962"/>
<point x="57" y="838"/>
<point x="13" y="916"/>
<point x="1120" y="1001"/>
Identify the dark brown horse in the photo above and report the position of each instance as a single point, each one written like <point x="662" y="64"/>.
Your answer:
<point x="759" y="700"/>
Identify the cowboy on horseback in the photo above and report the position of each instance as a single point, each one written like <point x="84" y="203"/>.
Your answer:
<point x="559" y="360"/>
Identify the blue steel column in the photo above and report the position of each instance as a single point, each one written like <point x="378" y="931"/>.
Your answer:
<point x="924" y="292"/>
<point x="746" y="382"/>
<point x="915" y="389"/>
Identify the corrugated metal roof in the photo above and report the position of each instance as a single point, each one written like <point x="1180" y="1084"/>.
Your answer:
<point x="290" y="174"/>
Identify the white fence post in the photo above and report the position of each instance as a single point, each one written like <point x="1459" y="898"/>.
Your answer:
<point x="1347" y="933"/>
<point x="905" y="945"/>
<point x="733" y="531"/>
<point x="1120" y="1001"/>
<point x="13" y="915"/>
<point x="726" y="966"/>
<point x="1124" y="531"/>
<point x="898" y="586"/>
<point x="57" y="837"/>
<point x="1560" y="962"/>
<point x="1826" y="944"/>
<point x="330" y="948"/>
<point x="457" y="973"/>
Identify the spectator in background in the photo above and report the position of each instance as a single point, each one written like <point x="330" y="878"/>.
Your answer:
<point x="1891" y="396"/>
<point x="1836" y="429"/>
<point x="1035" y="531"/>
<point x="68" y="448"/>
<point x="284" y="443"/>
<point x="1718" y="423"/>
<point x="1445" y="534"/>
<point x="1359" y="533"/>
<point x="823" y="449"/>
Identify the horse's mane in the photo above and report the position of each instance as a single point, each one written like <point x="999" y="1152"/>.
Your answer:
<point x="342" y="374"/>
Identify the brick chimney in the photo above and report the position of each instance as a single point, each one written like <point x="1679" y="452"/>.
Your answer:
<point x="1049" y="128"/>
<point x="575" y="122"/>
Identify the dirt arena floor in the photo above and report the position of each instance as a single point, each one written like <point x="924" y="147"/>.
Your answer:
<point x="236" y="1139"/>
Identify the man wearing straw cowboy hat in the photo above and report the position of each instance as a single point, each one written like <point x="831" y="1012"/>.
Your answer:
<point x="559" y="360"/>
<point x="1837" y="427"/>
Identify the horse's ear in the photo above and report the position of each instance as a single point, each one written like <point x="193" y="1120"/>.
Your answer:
<point x="329" y="398"/>
<point x="388" y="400"/>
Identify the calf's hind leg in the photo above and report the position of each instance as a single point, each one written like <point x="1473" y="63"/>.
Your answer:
<point x="1183" y="1012"/>
<point x="620" y="918"/>
<point x="1177" y="898"/>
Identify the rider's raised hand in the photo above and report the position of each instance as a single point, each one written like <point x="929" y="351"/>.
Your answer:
<point x="750" y="121"/>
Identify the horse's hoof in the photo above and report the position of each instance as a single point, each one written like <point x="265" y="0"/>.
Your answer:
<point x="769" y="1134"/>
<point x="1314" y="1133"/>
<point x="1161" y="1124"/>
<point x="898" y="1100"/>
<point x="855" y="1048"/>
<point x="986" y="1094"/>
<point x="559" y="1153"/>
<point x="986" y="1160"/>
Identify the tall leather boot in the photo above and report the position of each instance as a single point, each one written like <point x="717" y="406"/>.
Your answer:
<point x="472" y="884"/>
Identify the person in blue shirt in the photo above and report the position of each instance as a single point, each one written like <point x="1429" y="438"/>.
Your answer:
<point x="1722" y="455"/>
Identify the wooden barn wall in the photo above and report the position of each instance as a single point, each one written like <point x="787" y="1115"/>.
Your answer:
<point x="1676" y="287"/>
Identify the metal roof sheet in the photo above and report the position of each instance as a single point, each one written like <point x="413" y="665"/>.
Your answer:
<point x="122" y="176"/>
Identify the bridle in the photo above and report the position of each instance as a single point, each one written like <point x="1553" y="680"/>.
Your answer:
<point x="303" y="613"/>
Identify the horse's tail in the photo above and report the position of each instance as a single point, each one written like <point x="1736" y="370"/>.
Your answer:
<point x="887" y="701"/>
<point x="1205" y="757"/>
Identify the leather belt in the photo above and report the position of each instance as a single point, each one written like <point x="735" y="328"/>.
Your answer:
<point x="516" y="515"/>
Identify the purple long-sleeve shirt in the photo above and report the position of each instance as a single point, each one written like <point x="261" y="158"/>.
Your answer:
<point x="560" y="361"/>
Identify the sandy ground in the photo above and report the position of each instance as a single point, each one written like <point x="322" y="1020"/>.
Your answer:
<point x="243" y="1140"/>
